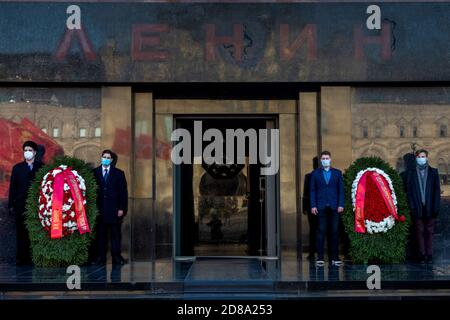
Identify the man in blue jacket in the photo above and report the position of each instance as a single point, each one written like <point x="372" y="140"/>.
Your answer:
<point x="327" y="203"/>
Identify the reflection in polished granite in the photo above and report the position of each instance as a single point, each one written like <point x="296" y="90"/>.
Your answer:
<point x="240" y="269"/>
<point x="225" y="270"/>
<point x="441" y="239"/>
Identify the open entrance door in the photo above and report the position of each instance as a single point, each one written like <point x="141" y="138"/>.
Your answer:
<point x="226" y="210"/>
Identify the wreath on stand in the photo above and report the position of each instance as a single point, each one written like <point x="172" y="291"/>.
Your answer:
<point x="61" y="213"/>
<point x="376" y="216"/>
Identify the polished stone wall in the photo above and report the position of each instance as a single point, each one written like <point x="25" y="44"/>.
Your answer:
<point x="219" y="42"/>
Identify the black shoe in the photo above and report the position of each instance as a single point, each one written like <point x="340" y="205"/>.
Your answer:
<point x="429" y="259"/>
<point x="99" y="262"/>
<point x="119" y="261"/>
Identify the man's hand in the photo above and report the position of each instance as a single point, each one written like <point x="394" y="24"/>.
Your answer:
<point x="340" y="209"/>
<point x="120" y="213"/>
<point x="314" y="211"/>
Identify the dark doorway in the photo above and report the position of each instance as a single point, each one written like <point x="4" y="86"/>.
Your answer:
<point x="222" y="210"/>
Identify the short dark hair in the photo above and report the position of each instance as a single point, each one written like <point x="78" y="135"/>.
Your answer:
<point x="422" y="151"/>
<point x="325" y="153"/>
<point x="30" y="144"/>
<point x="108" y="151"/>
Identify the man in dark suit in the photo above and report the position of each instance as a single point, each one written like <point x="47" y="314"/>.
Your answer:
<point x="327" y="202"/>
<point x="112" y="203"/>
<point x="424" y="198"/>
<point x="23" y="174"/>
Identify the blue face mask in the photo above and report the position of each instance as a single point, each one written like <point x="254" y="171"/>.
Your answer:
<point x="325" y="163"/>
<point x="421" y="161"/>
<point x="106" y="162"/>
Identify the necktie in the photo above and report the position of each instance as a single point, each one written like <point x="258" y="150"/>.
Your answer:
<point x="30" y="166"/>
<point x="105" y="175"/>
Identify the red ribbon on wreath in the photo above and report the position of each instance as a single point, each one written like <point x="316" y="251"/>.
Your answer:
<point x="56" y="229"/>
<point x="385" y="193"/>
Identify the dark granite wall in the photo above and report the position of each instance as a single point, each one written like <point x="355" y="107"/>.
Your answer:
<point x="207" y="42"/>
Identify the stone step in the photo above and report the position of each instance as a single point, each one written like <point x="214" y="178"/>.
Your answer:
<point x="240" y="286"/>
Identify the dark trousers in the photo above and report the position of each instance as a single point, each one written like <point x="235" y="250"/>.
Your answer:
<point x="312" y="222"/>
<point x="328" y="226"/>
<point x="23" y="241"/>
<point x="424" y="235"/>
<point x="115" y="231"/>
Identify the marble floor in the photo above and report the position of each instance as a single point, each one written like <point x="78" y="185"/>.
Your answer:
<point x="225" y="278"/>
<point x="288" y="268"/>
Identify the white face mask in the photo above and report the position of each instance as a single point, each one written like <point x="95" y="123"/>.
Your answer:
<point x="28" y="155"/>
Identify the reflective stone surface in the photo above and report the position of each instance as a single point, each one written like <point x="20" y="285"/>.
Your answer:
<point x="219" y="271"/>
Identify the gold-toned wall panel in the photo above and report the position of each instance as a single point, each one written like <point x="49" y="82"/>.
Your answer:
<point x="288" y="185"/>
<point x="163" y="215"/>
<point x="336" y="124"/>
<point x="143" y="218"/>
<point x="143" y="135"/>
<point x="116" y="127"/>
<point x="116" y="121"/>
<point x="308" y="147"/>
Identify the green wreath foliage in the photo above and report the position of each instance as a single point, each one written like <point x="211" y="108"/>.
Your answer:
<point x="389" y="247"/>
<point x="69" y="250"/>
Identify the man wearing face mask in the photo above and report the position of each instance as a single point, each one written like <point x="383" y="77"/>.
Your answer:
<point x="112" y="203"/>
<point x="424" y="198"/>
<point x="23" y="173"/>
<point x="327" y="203"/>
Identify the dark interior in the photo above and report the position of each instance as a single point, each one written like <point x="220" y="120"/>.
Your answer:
<point x="240" y="182"/>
